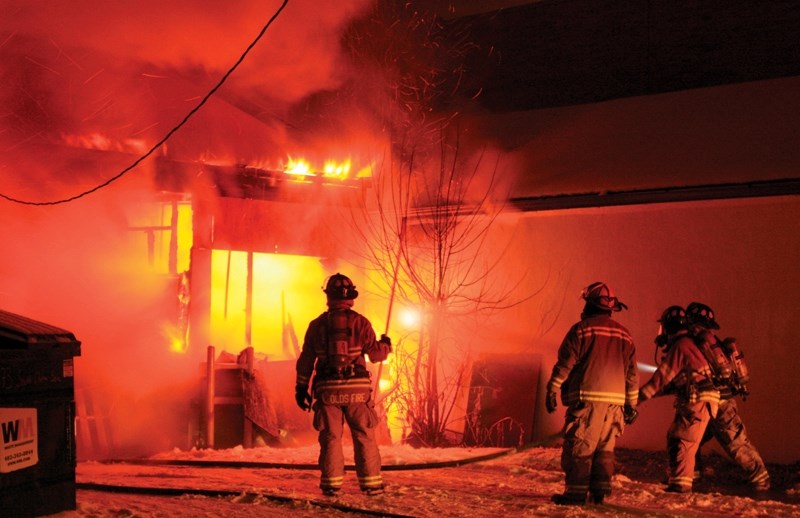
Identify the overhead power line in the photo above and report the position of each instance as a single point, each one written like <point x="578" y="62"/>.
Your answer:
<point x="169" y="133"/>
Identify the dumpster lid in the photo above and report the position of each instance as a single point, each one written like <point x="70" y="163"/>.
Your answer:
<point x="17" y="331"/>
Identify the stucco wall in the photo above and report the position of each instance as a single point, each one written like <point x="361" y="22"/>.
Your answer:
<point x="738" y="256"/>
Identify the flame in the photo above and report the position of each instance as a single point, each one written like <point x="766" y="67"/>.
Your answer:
<point x="285" y="298"/>
<point x="298" y="167"/>
<point x="177" y="342"/>
<point x="331" y="169"/>
<point x="301" y="168"/>
<point x="365" y="172"/>
<point x="336" y="170"/>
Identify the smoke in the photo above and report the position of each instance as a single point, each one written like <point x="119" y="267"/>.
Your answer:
<point x="298" y="53"/>
<point x="118" y="76"/>
<point x="86" y="88"/>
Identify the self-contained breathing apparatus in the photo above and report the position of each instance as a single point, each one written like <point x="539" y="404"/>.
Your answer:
<point x="711" y="348"/>
<point x="726" y="359"/>
<point x="730" y="370"/>
<point x="342" y="380"/>
<point x="741" y="374"/>
<point x="339" y="338"/>
<point x="341" y="352"/>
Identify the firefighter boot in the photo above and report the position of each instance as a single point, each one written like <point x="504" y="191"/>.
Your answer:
<point x="569" y="499"/>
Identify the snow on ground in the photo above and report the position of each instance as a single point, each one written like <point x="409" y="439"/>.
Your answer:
<point x="515" y="483"/>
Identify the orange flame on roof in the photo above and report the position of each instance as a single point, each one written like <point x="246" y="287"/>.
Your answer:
<point x="301" y="168"/>
<point x="334" y="170"/>
<point x="331" y="169"/>
<point x="298" y="167"/>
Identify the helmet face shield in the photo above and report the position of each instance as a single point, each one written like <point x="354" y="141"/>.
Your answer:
<point x="599" y="295"/>
<point x="340" y="287"/>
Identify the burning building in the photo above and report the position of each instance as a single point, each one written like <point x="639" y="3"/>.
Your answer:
<point x="663" y="167"/>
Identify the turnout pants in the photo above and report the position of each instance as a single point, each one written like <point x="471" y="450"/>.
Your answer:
<point x="728" y="428"/>
<point x="587" y="458"/>
<point x="683" y="441"/>
<point x="361" y="419"/>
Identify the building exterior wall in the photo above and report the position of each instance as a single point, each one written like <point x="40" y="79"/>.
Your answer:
<point x="738" y="256"/>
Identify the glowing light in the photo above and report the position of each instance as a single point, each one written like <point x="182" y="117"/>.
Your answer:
<point x="646" y="367"/>
<point x="153" y="229"/>
<point x="168" y="248"/>
<point x="409" y="318"/>
<point x="331" y="169"/>
<point x="298" y="168"/>
<point x="286" y="296"/>
<point x="176" y="343"/>
<point x="177" y="346"/>
<point x="365" y="172"/>
<point x="185" y="236"/>
<point x="337" y="170"/>
<point x="384" y="385"/>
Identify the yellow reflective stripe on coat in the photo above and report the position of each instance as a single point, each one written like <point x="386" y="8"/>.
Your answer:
<point x="604" y="331"/>
<point x="615" y="398"/>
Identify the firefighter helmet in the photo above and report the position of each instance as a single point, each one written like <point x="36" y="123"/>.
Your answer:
<point x="340" y="287"/>
<point x="672" y="320"/>
<point x="599" y="295"/>
<point x="701" y="314"/>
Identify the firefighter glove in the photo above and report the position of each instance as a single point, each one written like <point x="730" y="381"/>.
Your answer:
<point x="743" y="391"/>
<point x="551" y="403"/>
<point x="629" y="414"/>
<point x="302" y="397"/>
<point x="388" y="341"/>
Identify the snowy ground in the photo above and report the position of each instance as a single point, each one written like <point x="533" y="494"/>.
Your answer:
<point x="519" y="483"/>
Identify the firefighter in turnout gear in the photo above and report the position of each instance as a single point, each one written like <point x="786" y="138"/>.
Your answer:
<point x="685" y="372"/>
<point x="333" y="353"/>
<point x="731" y="378"/>
<point x="598" y="381"/>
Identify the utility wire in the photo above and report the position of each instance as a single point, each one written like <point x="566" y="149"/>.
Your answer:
<point x="169" y="134"/>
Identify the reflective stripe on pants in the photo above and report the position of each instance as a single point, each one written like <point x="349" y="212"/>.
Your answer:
<point x="361" y="419"/>
<point x="728" y="428"/>
<point x="587" y="458"/>
<point x="683" y="440"/>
